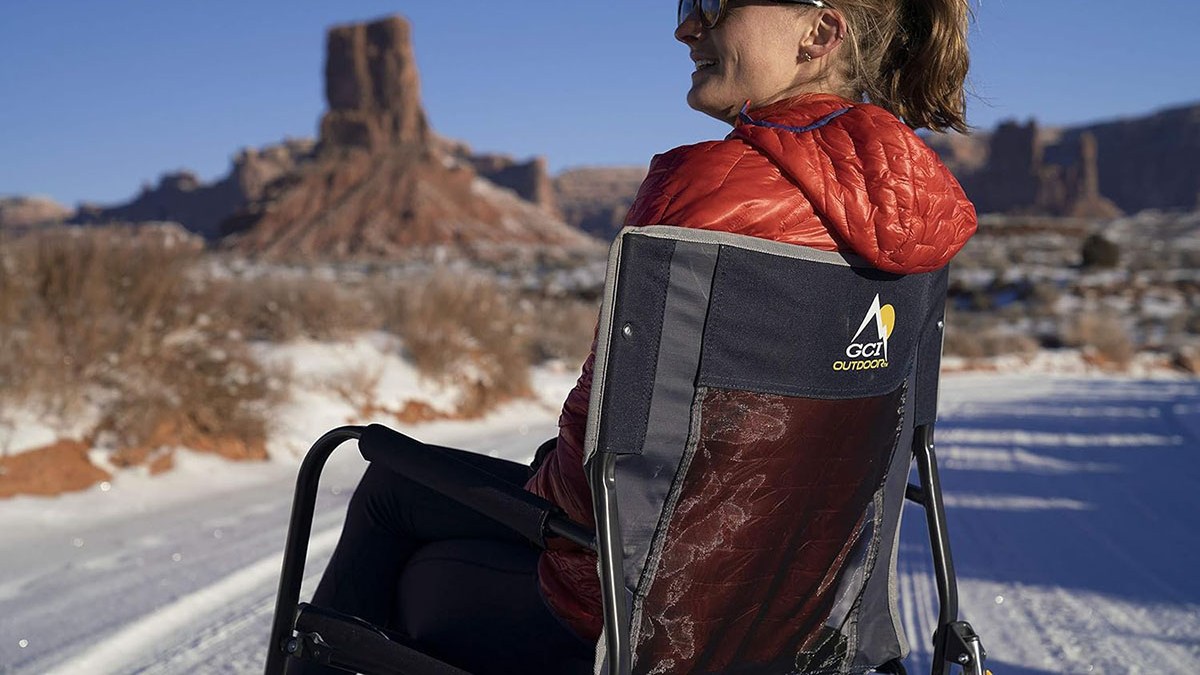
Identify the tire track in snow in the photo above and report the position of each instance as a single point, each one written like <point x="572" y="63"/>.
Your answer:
<point x="143" y="636"/>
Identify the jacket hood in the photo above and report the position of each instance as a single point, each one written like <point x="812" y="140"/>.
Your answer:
<point x="882" y="192"/>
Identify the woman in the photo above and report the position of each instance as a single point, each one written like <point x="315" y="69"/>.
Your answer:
<point x="808" y="162"/>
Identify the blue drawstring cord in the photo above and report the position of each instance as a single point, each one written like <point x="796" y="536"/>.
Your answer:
<point x="745" y="117"/>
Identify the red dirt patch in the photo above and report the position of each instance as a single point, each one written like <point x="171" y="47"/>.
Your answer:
<point x="62" y="466"/>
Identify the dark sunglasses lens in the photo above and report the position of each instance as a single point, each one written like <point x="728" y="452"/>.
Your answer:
<point x="710" y="11"/>
<point x="686" y="7"/>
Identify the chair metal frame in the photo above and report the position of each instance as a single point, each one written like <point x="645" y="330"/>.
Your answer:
<point x="302" y="631"/>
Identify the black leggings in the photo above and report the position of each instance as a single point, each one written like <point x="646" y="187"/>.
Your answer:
<point x="461" y="586"/>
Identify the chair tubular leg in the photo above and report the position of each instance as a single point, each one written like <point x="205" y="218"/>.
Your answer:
<point x="612" y="584"/>
<point x="954" y="642"/>
<point x="296" y="549"/>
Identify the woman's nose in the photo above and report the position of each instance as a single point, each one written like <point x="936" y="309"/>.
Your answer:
<point x="689" y="31"/>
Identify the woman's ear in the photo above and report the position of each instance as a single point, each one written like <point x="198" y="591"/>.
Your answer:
<point x="826" y="32"/>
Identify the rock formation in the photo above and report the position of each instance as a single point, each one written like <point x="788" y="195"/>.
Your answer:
<point x="1012" y="175"/>
<point x="26" y="212"/>
<point x="382" y="184"/>
<point x="597" y="199"/>
<point x="372" y="87"/>
<point x="1096" y="170"/>
<point x="1082" y="181"/>
<point x="200" y="207"/>
<point x="1150" y="162"/>
<point x="530" y="179"/>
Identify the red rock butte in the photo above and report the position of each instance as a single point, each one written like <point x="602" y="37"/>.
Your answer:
<point x="381" y="184"/>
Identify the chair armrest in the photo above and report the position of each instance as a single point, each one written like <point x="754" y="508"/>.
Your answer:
<point x="511" y="505"/>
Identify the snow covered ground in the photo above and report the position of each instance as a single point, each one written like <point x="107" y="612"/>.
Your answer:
<point x="1073" y="504"/>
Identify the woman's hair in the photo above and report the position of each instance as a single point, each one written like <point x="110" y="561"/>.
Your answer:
<point x="910" y="57"/>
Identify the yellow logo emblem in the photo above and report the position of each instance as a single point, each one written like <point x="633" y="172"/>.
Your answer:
<point x="863" y="353"/>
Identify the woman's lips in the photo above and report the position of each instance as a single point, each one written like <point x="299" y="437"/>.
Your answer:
<point x="704" y="65"/>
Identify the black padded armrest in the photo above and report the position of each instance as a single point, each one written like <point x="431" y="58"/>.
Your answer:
<point x="495" y="498"/>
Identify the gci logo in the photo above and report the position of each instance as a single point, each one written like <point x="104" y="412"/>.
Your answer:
<point x="862" y="352"/>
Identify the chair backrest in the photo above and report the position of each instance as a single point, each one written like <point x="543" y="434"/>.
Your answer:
<point x="752" y="411"/>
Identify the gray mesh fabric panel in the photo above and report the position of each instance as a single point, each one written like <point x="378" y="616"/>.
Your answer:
<point x="881" y="637"/>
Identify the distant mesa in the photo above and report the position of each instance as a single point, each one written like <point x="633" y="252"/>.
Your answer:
<point x="23" y="212"/>
<point x="201" y="207"/>
<point x="597" y="199"/>
<point x="1094" y="170"/>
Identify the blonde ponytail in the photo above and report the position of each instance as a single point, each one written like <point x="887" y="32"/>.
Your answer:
<point x="910" y="57"/>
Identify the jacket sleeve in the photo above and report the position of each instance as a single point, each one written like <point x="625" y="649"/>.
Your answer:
<point x="561" y="478"/>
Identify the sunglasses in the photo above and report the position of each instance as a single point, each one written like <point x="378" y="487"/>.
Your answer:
<point x="712" y="11"/>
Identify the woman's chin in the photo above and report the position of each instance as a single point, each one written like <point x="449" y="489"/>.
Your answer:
<point x="703" y="101"/>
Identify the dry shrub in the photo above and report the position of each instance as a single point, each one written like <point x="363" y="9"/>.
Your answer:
<point x="1192" y="322"/>
<point x="1187" y="358"/>
<point x="196" y="391"/>
<point x="356" y="387"/>
<point x="465" y="329"/>
<point x="561" y="328"/>
<point x="281" y="309"/>
<point x="83" y="301"/>
<point x="1102" y="336"/>
<point x="112" y="316"/>
<point x="985" y="342"/>
<point x="1099" y="252"/>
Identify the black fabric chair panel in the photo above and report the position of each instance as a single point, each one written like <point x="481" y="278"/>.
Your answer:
<point x="822" y="331"/>
<point x="633" y="342"/>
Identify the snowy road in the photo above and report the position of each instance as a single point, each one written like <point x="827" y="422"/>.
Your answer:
<point x="1072" y="504"/>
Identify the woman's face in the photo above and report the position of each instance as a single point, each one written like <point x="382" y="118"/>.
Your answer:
<point x="754" y="54"/>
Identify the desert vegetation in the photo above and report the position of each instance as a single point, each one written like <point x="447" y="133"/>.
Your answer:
<point x="146" y="342"/>
<point x="141" y="340"/>
<point x="1111" y="289"/>
<point x="110" y="323"/>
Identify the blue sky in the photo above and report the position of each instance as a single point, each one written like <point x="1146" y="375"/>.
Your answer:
<point x="97" y="98"/>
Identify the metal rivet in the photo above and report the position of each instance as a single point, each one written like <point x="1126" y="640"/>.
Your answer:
<point x="964" y="659"/>
<point x="292" y="646"/>
<point x="941" y="324"/>
<point x="627" y="331"/>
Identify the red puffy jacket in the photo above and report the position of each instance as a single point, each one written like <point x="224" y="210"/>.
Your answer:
<point x="816" y="170"/>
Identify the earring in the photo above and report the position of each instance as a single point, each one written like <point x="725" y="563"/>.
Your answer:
<point x="807" y="57"/>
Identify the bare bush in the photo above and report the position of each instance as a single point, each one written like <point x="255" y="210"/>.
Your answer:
<point x="975" y="339"/>
<point x="561" y="329"/>
<point x="465" y="329"/>
<point x="197" y="391"/>
<point x="1099" y="252"/>
<point x="281" y="309"/>
<point x="111" y="316"/>
<point x="1103" y="336"/>
<point x="1187" y="358"/>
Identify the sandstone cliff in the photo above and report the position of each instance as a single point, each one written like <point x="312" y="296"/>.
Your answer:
<point x="25" y="212"/>
<point x="1150" y="162"/>
<point x="1095" y="170"/>
<point x="597" y="199"/>
<point x="200" y="207"/>
<point x="382" y="184"/>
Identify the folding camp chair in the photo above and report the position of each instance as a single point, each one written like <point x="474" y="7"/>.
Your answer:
<point x="748" y="447"/>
